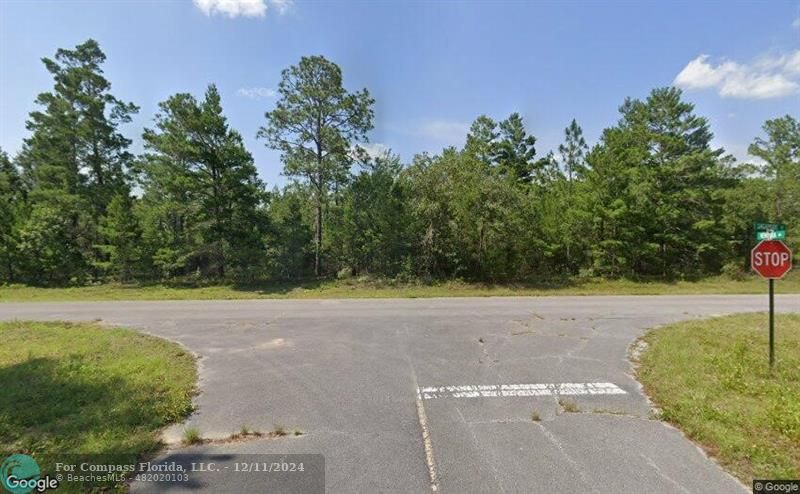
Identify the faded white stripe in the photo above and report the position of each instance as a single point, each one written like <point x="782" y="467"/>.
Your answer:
<point x="428" y="445"/>
<point x="509" y="390"/>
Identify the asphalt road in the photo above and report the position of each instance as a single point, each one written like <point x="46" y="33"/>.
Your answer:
<point x="388" y="390"/>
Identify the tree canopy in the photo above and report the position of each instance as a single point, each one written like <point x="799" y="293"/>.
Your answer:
<point x="652" y="197"/>
<point x="315" y="124"/>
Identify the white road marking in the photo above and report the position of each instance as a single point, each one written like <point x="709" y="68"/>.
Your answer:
<point x="510" y="390"/>
<point x="428" y="445"/>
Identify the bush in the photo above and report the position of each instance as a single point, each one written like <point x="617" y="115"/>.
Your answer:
<point x="734" y="270"/>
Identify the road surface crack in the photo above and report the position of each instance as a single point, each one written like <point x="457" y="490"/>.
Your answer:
<point x="661" y="474"/>
<point x="481" y="451"/>
<point x="554" y="440"/>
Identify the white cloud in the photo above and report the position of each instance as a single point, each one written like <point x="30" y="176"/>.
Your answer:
<point x="757" y="86"/>
<point x="372" y="149"/>
<point x="282" y="6"/>
<point x="244" y="8"/>
<point x="766" y="77"/>
<point x="793" y="63"/>
<point x="375" y="149"/>
<point x="699" y="74"/>
<point x="448" y="131"/>
<point x="796" y="23"/>
<point x="256" y="92"/>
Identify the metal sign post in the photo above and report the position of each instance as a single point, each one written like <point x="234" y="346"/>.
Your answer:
<point x="772" y="259"/>
<point x="771" y="323"/>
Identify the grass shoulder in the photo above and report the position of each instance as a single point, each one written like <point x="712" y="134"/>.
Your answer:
<point x="366" y="287"/>
<point x="84" y="389"/>
<point x="711" y="379"/>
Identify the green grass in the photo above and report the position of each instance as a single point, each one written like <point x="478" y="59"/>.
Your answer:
<point x="83" y="389"/>
<point x="711" y="379"/>
<point x="191" y="435"/>
<point x="372" y="288"/>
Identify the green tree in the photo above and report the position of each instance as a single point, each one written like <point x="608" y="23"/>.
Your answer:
<point x="563" y="196"/>
<point x="657" y="191"/>
<point x="122" y="234"/>
<point x="482" y="139"/>
<point x="49" y="254"/>
<point x="202" y="184"/>
<point x="515" y="149"/>
<point x="780" y="152"/>
<point x="12" y="196"/>
<point x="314" y="125"/>
<point x="77" y="129"/>
<point x="573" y="150"/>
<point x="467" y="219"/>
<point x="289" y="246"/>
<point x="75" y="159"/>
<point x="746" y="203"/>
<point x="368" y="231"/>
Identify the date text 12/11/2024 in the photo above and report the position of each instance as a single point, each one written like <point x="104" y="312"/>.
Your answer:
<point x="267" y="467"/>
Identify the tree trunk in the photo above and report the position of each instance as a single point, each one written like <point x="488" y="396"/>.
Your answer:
<point x="221" y="255"/>
<point x="318" y="235"/>
<point x="319" y="184"/>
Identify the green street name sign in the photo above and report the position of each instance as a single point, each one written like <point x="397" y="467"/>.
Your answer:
<point x="770" y="231"/>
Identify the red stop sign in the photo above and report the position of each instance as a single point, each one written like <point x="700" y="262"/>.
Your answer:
<point x="771" y="259"/>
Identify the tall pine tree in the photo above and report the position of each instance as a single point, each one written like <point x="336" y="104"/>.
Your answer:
<point x="573" y="150"/>
<point x="12" y="196"/>
<point x="515" y="149"/>
<point x="75" y="159"/>
<point x="657" y="188"/>
<point x="201" y="183"/>
<point x="314" y="125"/>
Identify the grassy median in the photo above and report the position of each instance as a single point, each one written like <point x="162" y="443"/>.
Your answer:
<point x="81" y="388"/>
<point x="381" y="288"/>
<point x="711" y="379"/>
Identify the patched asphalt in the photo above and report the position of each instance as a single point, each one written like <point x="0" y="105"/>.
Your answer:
<point x="346" y="373"/>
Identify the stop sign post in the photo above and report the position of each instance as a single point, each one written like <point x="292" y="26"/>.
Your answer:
<point x="772" y="259"/>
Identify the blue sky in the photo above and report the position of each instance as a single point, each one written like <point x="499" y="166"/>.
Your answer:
<point x="432" y="66"/>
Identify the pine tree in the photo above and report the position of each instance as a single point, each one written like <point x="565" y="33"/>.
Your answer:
<point x="75" y="159"/>
<point x="314" y="125"/>
<point x="202" y="182"/>
<point x="290" y="233"/>
<point x="657" y="189"/>
<point x="482" y="140"/>
<point x="12" y="198"/>
<point x="77" y="130"/>
<point x="515" y="150"/>
<point x="122" y="234"/>
<point x="573" y="150"/>
<point x="368" y="229"/>
<point x="780" y="152"/>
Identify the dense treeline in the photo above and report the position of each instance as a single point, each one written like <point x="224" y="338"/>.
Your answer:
<point x="651" y="198"/>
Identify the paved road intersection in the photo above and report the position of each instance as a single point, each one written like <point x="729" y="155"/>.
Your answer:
<point x="414" y="395"/>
